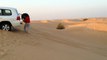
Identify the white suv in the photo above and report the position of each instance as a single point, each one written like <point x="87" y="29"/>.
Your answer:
<point x="9" y="17"/>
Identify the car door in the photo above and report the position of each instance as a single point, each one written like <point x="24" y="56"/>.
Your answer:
<point x="6" y="14"/>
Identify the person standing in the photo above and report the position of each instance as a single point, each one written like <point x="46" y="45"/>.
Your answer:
<point x="26" y="20"/>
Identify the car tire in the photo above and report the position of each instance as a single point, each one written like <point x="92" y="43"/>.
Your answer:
<point x="6" y="26"/>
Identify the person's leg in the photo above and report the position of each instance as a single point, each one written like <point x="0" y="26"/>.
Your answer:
<point x="27" y="26"/>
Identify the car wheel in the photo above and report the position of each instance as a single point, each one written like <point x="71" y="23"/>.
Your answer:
<point x="6" y="27"/>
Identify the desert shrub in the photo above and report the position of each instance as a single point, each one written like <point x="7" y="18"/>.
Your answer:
<point x="60" y="26"/>
<point x="85" y="19"/>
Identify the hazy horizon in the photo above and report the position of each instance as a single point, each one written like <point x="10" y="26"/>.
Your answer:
<point x="59" y="9"/>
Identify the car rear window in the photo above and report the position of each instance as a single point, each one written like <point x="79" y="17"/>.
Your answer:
<point x="5" y="12"/>
<point x="17" y="12"/>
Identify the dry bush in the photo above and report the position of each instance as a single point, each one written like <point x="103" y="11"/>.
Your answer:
<point x="85" y="19"/>
<point x="60" y="26"/>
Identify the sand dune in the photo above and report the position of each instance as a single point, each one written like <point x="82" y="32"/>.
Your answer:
<point x="94" y="24"/>
<point x="44" y="21"/>
<point x="82" y="40"/>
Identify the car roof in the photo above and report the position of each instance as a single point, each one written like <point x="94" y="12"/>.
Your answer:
<point x="7" y="8"/>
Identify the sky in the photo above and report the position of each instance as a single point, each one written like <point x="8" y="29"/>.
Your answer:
<point x="58" y="9"/>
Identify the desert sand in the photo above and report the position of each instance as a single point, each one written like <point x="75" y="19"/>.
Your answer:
<point x="83" y="40"/>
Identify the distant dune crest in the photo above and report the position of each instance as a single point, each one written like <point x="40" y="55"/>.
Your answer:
<point x="92" y="23"/>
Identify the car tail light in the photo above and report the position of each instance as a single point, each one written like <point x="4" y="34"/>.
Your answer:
<point x="18" y="17"/>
